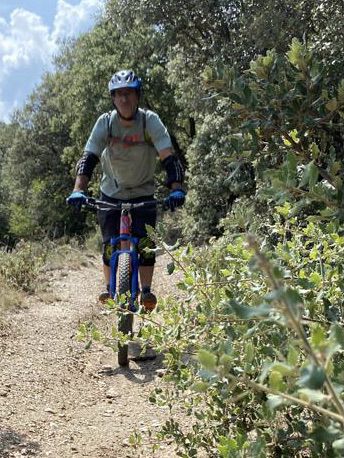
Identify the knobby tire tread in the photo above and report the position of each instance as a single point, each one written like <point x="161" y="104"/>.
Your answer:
<point x="125" y="320"/>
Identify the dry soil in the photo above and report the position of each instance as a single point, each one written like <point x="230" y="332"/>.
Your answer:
<point x="58" y="399"/>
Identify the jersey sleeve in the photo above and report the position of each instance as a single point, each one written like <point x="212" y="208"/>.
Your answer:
<point x="157" y="132"/>
<point x="99" y="136"/>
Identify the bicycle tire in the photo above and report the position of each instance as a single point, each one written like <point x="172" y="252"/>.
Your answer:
<point x="125" y="320"/>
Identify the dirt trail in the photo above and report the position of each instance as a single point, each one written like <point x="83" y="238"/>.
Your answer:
<point x="58" y="400"/>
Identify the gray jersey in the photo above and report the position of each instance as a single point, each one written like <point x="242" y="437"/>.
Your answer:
<point x="128" y="160"/>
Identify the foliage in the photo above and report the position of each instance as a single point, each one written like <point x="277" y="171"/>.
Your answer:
<point x="34" y="176"/>
<point x="23" y="269"/>
<point x="252" y="344"/>
<point x="285" y="117"/>
<point x="6" y="133"/>
<point x="327" y="34"/>
<point x="253" y="350"/>
<point x="59" y="115"/>
<point x="172" y="46"/>
<point x="217" y="174"/>
<point x="10" y="298"/>
<point x="20" y="267"/>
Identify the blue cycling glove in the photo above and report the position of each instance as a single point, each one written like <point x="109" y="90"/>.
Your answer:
<point x="77" y="198"/>
<point x="176" y="199"/>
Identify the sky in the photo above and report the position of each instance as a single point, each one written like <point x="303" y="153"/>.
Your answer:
<point x="29" y="34"/>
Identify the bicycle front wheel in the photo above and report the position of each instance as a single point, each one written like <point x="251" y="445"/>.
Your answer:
<point x="125" y="320"/>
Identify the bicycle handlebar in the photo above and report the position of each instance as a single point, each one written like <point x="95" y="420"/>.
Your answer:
<point x="104" y="205"/>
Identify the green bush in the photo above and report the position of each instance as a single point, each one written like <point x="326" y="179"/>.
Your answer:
<point x="213" y="171"/>
<point x="20" y="267"/>
<point x="254" y="350"/>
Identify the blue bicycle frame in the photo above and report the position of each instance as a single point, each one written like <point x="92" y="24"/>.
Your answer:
<point x="124" y="243"/>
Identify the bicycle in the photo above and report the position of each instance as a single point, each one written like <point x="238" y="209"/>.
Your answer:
<point x="124" y="265"/>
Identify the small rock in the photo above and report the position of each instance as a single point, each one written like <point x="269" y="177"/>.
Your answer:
<point x="111" y="394"/>
<point x="160" y="372"/>
<point x="106" y="370"/>
<point x="50" y="410"/>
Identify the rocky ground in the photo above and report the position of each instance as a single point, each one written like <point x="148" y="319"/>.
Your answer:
<point x="58" y="399"/>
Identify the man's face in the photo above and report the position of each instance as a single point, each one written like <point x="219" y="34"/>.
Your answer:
<point x="126" y="101"/>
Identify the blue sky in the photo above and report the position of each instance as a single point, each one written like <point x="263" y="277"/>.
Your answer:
<point x="29" y="34"/>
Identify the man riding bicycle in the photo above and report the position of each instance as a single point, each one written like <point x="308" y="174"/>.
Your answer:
<point x="127" y="142"/>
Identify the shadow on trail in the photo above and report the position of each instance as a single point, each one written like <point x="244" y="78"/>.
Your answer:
<point x="12" y="443"/>
<point x="139" y="372"/>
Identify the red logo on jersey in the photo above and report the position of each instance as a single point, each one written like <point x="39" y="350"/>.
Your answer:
<point x="127" y="141"/>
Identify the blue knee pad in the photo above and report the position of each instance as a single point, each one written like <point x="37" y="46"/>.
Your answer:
<point x="107" y="252"/>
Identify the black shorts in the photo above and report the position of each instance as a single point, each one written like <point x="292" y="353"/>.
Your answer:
<point x="109" y="221"/>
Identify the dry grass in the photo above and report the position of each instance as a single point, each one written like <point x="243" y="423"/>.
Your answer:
<point x="26" y="269"/>
<point x="9" y="297"/>
<point x="68" y="256"/>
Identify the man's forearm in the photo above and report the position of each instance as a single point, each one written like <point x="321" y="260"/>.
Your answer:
<point x="81" y="183"/>
<point x="173" y="168"/>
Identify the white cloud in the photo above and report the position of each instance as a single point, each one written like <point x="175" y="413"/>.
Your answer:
<point x="70" y="20"/>
<point x="23" y="41"/>
<point x="27" y="46"/>
<point x="25" y="52"/>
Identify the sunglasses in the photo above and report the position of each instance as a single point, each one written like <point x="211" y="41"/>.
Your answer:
<point x="127" y="93"/>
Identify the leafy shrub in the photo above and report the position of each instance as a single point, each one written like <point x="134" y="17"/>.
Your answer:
<point x="20" y="267"/>
<point x="253" y="352"/>
<point x="283" y="116"/>
<point x="9" y="297"/>
<point x="216" y="176"/>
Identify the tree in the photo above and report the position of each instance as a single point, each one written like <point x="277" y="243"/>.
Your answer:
<point x="7" y="132"/>
<point x="35" y="178"/>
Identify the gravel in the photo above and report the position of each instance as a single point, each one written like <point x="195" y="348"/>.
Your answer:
<point x="58" y="399"/>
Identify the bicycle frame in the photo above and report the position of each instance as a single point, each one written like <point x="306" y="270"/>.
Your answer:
<point x="126" y="243"/>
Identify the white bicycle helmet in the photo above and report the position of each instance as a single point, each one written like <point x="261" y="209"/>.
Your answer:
<point x="124" y="78"/>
